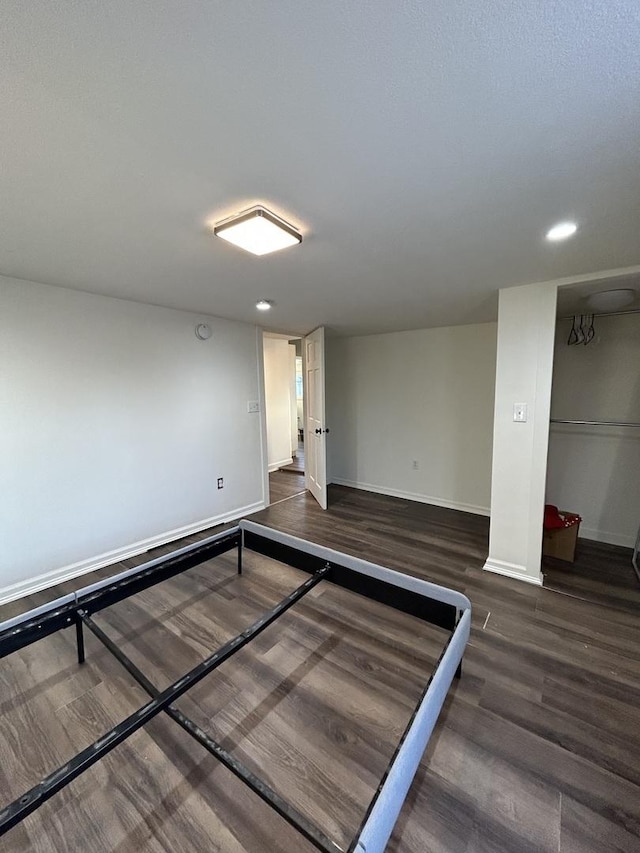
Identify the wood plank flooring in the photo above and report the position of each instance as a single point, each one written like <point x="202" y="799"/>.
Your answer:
<point x="601" y="573"/>
<point x="297" y="466"/>
<point x="285" y="484"/>
<point x="537" y="749"/>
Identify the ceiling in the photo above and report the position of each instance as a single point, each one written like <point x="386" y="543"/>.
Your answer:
<point x="423" y="148"/>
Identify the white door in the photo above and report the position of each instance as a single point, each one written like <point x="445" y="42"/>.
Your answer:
<point x="315" y="440"/>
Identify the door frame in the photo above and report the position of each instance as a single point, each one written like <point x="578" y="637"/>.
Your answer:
<point x="320" y="492"/>
<point x="261" y="334"/>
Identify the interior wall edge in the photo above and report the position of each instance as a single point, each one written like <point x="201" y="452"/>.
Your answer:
<point x="99" y="561"/>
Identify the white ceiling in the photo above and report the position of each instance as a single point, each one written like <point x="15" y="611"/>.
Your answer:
<point x="423" y="148"/>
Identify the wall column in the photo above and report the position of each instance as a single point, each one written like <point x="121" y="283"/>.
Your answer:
<point x="524" y="370"/>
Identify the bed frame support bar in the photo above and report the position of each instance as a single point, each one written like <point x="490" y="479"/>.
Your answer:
<point x="277" y="803"/>
<point x="54" y="782"/>
<point x="79" y="639"/>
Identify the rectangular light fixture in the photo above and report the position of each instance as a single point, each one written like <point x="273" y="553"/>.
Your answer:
<point x="258" y="230"/>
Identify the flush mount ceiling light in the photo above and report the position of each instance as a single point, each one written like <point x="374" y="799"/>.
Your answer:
<point x="611" y="300"/>
<point x="258" y="231"/>
<point x="561" y="231"/>
<point x="264" y="304"/>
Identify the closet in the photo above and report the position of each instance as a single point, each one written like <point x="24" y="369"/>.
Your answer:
<point x="594" y="437"/>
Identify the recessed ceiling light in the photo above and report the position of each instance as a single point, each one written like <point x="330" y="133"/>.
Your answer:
<point x="258" y="231"/>
<point x="561" y="231"/>
<point x="264" y="304"/>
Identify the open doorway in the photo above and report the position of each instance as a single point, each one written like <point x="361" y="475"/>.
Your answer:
<point x="297" y="466"/>
<point x="284" y="415"/>
<point x="281" y="422"/>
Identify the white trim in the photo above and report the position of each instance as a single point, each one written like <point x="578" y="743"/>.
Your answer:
<point x="413" y="496"/>
<point x="511" y="570"/>
<point x="607" y="536"/>
<point x="275" y="466"/>
<point x="74" y="570"/>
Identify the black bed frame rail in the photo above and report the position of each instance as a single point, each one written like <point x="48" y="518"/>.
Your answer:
<point x="54" y="782"/>
<point x="51" y="621"/>
<point x="428" y="609"/>
<point x="79" y="611"/>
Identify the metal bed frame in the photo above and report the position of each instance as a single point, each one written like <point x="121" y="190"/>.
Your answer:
<point x="435" y="604"/>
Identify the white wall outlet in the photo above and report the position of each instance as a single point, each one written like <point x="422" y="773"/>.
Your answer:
<point x="415" y="465"/>
<point x="221" y="482"/>
<point x="253" y="406"/>
<point x="520" y="413"/>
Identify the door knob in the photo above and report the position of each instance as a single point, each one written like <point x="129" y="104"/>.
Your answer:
<point x="320" y="431"/>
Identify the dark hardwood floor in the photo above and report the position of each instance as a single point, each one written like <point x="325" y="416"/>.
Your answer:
<point x="601" y="573"/>
<point x="285" y="484"/>
<point x="297" y="466"/>
<point x="537" y="748"/>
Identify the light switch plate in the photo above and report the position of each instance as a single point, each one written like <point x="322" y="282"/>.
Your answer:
<point x="520" y="413"/>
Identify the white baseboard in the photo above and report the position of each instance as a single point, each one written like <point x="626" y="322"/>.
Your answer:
<point x="277" y="465"/>
<point x="83" y="567"/>
<point x="412" y="496"/>
<point x="511" y="570"/>
<point x="607" y="536"/>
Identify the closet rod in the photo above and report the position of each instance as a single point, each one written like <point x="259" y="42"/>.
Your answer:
<point x="604" y="314"/>
<point x="595" y="423"/>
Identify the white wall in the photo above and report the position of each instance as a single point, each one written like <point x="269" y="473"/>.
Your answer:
<point x="526" y="328"/>
<point x="594" y="471"/>
<point x="423" y="395"/>
<point x="116" y="422"/>
<point x="277" y="377"/>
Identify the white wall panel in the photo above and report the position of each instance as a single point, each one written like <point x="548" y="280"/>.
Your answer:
<point x="423" y="397"/>
<point x="116" y="422"/>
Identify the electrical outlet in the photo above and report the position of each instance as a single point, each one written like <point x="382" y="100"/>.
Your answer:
<point x="253" y="406"/>
<point x="221" y="482"/>
<point x="415" y="465"/>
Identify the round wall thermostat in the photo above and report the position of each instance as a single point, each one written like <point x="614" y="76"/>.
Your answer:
<point x="203" y="332"/>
